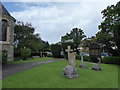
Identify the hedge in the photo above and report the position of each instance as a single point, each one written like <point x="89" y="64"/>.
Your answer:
<point x="85" y="58"/>
<point x="56" y="50"/>
<point x="49" y="55"/>
<point x="111" y="60"/>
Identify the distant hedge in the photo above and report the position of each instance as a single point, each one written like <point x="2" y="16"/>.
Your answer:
<point x="56" y="50"/>
<point x="49" y="55"/>
<point x="85" y="58"/>
<point x="111" y="60"/>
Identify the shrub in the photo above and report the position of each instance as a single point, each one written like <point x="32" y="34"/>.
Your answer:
<point x="4" y="56"/>
<point x="17" y="58"/>
<point x="62" y="56"/>
<point x="56" y="50"/>
<point x="16" y="52"/>
<point x="94" y="60"/>
<point x="25" y="53"/>
<point x="85" y="58"/>
<point x="111" y="60"/>
<point x="49" y="55"/>
<point x="78" y="57"/>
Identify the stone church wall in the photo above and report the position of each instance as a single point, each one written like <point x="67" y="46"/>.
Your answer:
<point x="8" y="44"/>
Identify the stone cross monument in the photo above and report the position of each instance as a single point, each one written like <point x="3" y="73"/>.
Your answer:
<point x="71" y="56"/>
<point x="70" y="71"/>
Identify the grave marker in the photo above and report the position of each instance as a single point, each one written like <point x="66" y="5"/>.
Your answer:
<point x="71" y="56"/>
<point x="82" y="65"/>
<point x="95" y="53"/>
<point x="70" y="71"/>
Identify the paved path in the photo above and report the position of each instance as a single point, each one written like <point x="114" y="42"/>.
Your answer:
<point x="10" y="69"/>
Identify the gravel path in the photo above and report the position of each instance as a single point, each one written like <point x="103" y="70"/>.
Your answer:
<point x="10" y="69"/>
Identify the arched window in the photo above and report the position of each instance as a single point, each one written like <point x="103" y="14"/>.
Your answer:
<point x="4" y="30"/>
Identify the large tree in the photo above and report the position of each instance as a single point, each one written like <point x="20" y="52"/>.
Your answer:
<point x="76" y="35"/>
<point x="110" y="28"/>
<point x="24" y="37"/>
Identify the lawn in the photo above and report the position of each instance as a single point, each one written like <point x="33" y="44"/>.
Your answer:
<point x="49" y="76"/>
<point x="41" y="59"/>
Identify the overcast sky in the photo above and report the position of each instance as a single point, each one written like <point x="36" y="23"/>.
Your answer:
<point x="54" y="19"/>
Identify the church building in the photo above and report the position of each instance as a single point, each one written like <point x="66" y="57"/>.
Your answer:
<point x="7" y="23"/>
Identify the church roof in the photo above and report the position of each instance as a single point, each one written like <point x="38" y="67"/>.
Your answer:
<point x="5" y="12"/>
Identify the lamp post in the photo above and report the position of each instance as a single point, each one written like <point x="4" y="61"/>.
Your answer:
<point x="82" y="65"/>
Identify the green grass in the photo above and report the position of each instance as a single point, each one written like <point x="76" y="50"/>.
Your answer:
<point x="41" y="59"/>
<point x="49" y="76"/>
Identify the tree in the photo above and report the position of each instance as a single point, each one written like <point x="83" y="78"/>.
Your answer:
<point x="22" y="33"/>
<point x="24" y="37"/>
<point x="77" y="35"/>
<point x="106" y="41"/>
<point x="45" y="45"/>
<point x="110" y="33"/>
<point x="56" y="50"/>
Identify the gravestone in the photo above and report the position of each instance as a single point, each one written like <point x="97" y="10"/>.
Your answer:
<point x="95" y="53"/>
<point x="71" y="57"/>
<point x="96" y="67"/>
<point x="70" y="71"/>
<point x="82" y="65"/>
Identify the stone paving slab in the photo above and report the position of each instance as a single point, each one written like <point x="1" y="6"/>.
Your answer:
<point x="10" y="69"/>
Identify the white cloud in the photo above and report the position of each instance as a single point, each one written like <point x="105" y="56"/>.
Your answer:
<point x="56" y="19"/>
<point x="59" y="0"/>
